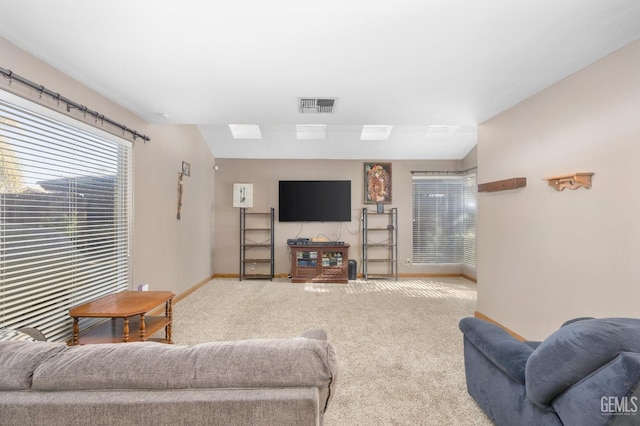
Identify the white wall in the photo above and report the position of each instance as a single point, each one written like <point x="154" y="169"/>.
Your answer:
<point x="166" y="253"/>
<point x="546" y="256"/>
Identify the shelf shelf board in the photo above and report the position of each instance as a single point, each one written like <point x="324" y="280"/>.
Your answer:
<point x="158" y="340"/>
<point x="320" y="279"/>
<point x="256" y="260"/>
<point x="335" y="269"/>
<point x="374" y="276"/>
<point x="571" y="181"/>
<point x="257" y="245"/>
<point x="256" y="276"/>
<point x="503" y="185"/>
<point x="110" y="331"/>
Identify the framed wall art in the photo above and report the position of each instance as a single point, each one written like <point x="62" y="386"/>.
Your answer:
<point x="377" y="183"/>
<point x="243" y="195"/>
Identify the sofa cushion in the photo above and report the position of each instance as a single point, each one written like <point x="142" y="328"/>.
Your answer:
<point x="505" y="352"/>
<point x="575" y="351"/>
<point x="19" y="359"/>
<point x="592" y="401"/>
<point x="147" y="365"/>
<point x="185" y="407"/>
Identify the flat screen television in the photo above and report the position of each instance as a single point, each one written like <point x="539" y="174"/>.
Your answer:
<point x="314" y="201"/>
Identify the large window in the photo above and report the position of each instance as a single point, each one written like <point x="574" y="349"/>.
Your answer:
<point x="65" y="201"/>
<point x="444" y="219"/>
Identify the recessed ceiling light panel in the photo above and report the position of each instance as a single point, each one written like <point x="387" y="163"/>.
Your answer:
<point x="440" y="131"/>
<point x="245" y="131"/>
<point x="375" y="133"/>
<point x="311" y="131"/>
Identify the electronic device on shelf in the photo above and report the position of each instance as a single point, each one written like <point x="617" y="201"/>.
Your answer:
<point x="307" y="241"/>
<point x="297" y="241"/>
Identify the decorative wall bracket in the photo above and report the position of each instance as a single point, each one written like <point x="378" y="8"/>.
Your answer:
<point x="503" y="185"/>
<point x="572" y="181"/>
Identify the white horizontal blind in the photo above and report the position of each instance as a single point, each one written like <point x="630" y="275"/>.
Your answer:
<point x="443" y="226"/>
<point x="470" y="194"/>
<point x="65" y="200"/>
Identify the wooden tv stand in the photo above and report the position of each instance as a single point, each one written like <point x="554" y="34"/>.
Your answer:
<point x="319" y="263"/>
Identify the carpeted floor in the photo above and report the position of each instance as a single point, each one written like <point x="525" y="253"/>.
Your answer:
<point x="398" y="342"/>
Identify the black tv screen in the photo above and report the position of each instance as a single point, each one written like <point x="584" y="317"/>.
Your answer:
<point x="314" y="201"/>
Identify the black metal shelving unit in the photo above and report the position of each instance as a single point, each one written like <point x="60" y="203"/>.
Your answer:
<point x="380" y="244"/>
<point x="256" y="244"/>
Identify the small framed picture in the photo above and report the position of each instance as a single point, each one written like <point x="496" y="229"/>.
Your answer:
<point x="243" y="195"/>
<point x="186" y="168"/>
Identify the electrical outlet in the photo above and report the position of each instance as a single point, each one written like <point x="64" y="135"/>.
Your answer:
<point x="408" y="260"/>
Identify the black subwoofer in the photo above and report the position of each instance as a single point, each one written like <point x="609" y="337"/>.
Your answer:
<point x="353" y="269"/>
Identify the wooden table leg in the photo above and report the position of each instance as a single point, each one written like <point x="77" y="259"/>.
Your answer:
<point x="125" y="331"/>
<point x="169" y="314"/>
<point x="76" y="332"/>
<point x="142" y="327"/>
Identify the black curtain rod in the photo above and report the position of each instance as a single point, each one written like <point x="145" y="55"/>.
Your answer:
<point x="70" y="104"/>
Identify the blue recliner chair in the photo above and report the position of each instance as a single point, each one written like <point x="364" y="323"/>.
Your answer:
<point x="586" y="373"/>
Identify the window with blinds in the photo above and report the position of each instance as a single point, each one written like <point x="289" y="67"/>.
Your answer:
<point x="444" y="219"/>
<point x="470" y="211"/>
<point x="65" y="202"/>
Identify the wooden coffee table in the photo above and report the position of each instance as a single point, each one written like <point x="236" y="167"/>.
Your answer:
<point x="127" y="310"/>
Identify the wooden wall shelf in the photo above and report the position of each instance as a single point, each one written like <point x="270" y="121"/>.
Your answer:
<point x="572" y="181"/>
<point x="503" y="185"/>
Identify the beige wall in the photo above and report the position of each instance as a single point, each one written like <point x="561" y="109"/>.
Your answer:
<point x="167" y="254"/>
<point x="170" y="253"/>
<point x="546" y="256"/>
<point x="265" y="174"/>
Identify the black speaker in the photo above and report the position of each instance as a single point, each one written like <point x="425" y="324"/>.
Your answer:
<point x="353" y="269"/>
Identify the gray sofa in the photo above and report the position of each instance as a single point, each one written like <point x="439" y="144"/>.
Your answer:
<point x="250" y="382"/>
<point x="587" y="373"/>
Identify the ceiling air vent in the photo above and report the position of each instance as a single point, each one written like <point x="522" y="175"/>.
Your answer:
<point x="316" y="105"/>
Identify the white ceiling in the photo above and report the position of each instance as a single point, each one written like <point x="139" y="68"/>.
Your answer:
<point x="409" y="64"/>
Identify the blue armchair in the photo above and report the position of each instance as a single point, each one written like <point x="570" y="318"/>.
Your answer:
<point x="586" y="373"/>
